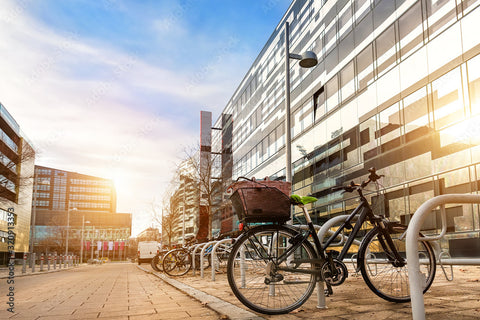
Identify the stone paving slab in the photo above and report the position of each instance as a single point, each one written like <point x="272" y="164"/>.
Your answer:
<point x="110" y="291"/>
<point x="459" y="299"/>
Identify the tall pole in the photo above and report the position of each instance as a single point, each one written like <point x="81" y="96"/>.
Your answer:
<point x="68" y="227"/>
<point x="184" y="200"/>
<point x="81" y="245"/>
<point x="34" y="214"/>
<point x="288" y="142"/>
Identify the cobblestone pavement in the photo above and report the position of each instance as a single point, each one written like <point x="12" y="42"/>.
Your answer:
<point x="108" y="291"/>
<point x="459" y="299"/>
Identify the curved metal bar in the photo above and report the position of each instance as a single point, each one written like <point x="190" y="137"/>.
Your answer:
<point x="213" y="256"/>
<point x="413" y="230"/>
<point x="202" y="254"/>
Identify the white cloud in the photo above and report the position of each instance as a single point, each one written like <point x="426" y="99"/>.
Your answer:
<point x="77" y="104"/>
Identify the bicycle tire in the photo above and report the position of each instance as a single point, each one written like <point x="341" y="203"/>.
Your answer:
<point x="206" y="261"/>
<point x="288" y="290"/>
<point x="177" y="262"/>
<point x="386" y="280"/>
<point x="157" y="262"/>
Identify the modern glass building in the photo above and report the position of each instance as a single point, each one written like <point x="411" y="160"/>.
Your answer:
<point x="397" y="87"/>
<point x="80" y="203"/>
<point x="16" y="171"/>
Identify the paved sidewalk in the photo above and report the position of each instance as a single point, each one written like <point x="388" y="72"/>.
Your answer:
<point x="456" y="300"/>
<point x="108" y="291"/>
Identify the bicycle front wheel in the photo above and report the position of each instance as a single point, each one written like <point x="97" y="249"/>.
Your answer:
<point x="177" y="262"/>
<point x="387" y="276"/>
<point x="157" y="263"/>
<point x="255" y="272"/>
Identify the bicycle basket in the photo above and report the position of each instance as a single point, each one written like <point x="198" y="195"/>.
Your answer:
<point x="267" y="201"/>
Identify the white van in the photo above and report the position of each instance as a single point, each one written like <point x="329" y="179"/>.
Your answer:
<point x="146" y="251"/>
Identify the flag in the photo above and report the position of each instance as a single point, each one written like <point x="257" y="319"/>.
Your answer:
<point x="99" y="245"/>
<point x="87" y="245"/>
<point x="105" y="245"/>
<point x="110" y="245"/>
<point x="122" y="245"/>
<point x="116" y="245"/>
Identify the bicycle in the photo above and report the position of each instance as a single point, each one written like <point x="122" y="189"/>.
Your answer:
<point x="178" y="262"/>
<point x="273" y="268"/>
<point x="157" y="261"/>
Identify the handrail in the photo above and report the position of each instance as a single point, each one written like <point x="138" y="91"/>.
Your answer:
<point x="413" y="230"/>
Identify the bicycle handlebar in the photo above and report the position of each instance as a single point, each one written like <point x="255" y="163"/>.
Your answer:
<point x="373" y="176"/>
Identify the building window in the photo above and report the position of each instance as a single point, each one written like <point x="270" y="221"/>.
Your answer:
<point x="364" y="67"/>
<point x="410" y="29"/>
<point x="385" y="50"/>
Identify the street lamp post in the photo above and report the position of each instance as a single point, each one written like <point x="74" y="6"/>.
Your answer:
<point x="68" y="226"/>
<point x="308" y="59"/>
<point x="83" y="230"/>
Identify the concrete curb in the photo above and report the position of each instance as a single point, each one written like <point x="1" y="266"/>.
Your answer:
<point x="222" y="307"/>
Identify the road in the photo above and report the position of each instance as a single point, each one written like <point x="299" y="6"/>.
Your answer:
<point x="108" y="291"/>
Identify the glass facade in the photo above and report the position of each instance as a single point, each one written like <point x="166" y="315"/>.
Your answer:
<point x="397" y="87"/>
<point x="16" y="166"/>
<point x="58" y="190"/>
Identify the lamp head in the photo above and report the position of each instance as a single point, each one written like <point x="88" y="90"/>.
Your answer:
<point x="309" y="59"/>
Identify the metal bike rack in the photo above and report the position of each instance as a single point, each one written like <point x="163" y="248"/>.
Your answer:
<point x="194" y="252"/>
<point x="213" y="256"/>
<point x="202" y="253"/>
<point x="324" y="230"/>
<point x="413" y="230"/>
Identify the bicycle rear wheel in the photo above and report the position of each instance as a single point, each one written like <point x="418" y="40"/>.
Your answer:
<point x="177" y="262"/>
<point x="386" y="276"/>
<point x="255" y="275"/>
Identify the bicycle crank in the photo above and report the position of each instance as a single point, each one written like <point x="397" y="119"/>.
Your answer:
<point x="334" y="275"/>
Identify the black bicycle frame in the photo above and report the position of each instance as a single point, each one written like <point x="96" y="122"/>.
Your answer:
<point x="362" y="210"/>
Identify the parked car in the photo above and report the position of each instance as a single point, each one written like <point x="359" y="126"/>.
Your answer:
<point x="146" y="251"/>
<point x="94" y="261"/>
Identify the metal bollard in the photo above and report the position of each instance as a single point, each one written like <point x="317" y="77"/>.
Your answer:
<point x="55" y="262"/>
<point x="65" y="261"/>
<point x="24" y="266"/>
<point x="41" y="262"/>
<point x="48" y="261"/>
<point x="33" y="262"/>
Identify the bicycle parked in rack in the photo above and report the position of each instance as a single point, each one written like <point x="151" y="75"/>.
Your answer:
<point x="178" y="262"/>
<point x="157" y="261"/>
<point x="273" y="268"/>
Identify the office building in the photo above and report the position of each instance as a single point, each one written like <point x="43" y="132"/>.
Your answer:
<point x="187" y="218"/>
<point x="16" y="171"/>
<point x="396" y="87"/>
<point x="67" y="204"/>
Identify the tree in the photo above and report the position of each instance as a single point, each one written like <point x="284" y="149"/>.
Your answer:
<point x="200" y="167"/>
<point x="164" y="217"/>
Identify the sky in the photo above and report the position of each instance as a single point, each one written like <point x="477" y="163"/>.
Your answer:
<point x="114" y="88"/>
